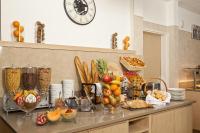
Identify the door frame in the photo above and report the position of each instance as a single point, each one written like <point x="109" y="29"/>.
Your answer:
<point x="164" y="52"/>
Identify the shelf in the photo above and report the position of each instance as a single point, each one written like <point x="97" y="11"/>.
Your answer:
<point x="139" y="125"/>
<point x="142" y="131"/>
<point x="63" y="47"/>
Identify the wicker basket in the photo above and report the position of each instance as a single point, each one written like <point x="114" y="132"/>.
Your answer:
<point x="152" y="100"/>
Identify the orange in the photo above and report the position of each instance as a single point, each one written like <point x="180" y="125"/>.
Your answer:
<point x="114" y="87"/>
<point x="106" y="100"/>
<point x="16" y="24"/>
<point x="20" y="39"/>
<point x="16" y="33"/>
<point x="17" y="95"/>
<point x="21" y="28"/>
<point x="117" y="92"/>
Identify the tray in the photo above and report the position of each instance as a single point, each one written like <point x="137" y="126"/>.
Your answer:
<point x="130" y="67"/>
<point x="130" y="108"/>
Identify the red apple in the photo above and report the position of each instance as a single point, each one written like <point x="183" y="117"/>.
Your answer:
<point x="106" y="79"/>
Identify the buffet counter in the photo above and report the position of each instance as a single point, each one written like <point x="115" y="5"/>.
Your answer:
<point x="142" y="120"/>
<point x="193" y="94"/>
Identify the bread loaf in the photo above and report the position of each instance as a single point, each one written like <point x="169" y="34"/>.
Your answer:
<point x="80" y="69"/>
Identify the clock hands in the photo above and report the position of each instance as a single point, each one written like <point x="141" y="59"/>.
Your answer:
<point x="81" y="7"/>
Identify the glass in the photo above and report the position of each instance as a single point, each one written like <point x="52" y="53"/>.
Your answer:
<point x="28" y="101"/>
<point x="85" y="105"/>
<point x="29" y="97"/>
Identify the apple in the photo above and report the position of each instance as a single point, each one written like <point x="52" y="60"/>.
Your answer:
<point x="107" y="92"/>
<point x="106" y="79"/>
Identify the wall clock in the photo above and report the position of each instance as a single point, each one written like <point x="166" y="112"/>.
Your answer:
<point x="81" y="12"/>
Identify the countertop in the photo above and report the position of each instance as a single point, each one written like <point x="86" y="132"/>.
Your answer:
<point x="84" y="120"/>
<point x="191" y="89"/>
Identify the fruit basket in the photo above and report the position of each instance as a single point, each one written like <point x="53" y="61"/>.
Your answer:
<point x="111" y="94"/>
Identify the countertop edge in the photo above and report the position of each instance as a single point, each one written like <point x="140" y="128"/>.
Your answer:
<point x="150" y="112"/>
<point x="186" y="103"/>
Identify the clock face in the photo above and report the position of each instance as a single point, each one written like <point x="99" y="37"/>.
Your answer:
<point x="80" y="11"/>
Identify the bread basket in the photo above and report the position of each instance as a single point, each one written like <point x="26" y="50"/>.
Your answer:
<point x="150" y="80"/>
<point x="150" y="99"/>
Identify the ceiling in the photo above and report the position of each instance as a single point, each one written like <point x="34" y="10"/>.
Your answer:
<point x="192" y="5"/>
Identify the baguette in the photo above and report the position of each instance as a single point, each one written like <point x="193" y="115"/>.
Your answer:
<point x="87" y="73"/>
<point x="94" y="72"/>
<point x="96" y="77"/>
<point x="80" y="69"/>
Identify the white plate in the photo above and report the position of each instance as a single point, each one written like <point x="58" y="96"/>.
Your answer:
<point x="176" y="89"/>
<point x="177" y="93"/>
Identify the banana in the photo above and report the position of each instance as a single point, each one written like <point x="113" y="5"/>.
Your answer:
<point x="116" y="82"/>
<point x="106" y="86"/>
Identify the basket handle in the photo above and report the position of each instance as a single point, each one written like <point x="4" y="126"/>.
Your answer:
<point x="151" y="79"/>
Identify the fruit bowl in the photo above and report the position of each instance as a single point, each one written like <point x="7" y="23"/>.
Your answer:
<point x="27" y="100"/>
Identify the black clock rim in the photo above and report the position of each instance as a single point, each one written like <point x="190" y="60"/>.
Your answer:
<point x="74" y="20"/>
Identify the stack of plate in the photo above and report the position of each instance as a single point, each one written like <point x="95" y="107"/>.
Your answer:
<point x="55" y="92"/>
<point x="68" y="88"/>
<point x="177" y="93"/>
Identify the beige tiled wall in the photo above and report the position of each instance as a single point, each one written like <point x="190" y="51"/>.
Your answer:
<point x="173" y="56"/>
<point x="189" y="54"/>
<point x="183" y="51"/>
<point x="60" y="60"/>
<point x="138" y="34"/>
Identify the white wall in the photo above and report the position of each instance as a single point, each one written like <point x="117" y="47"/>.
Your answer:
<point x="187" y="18"/>
<point x="155" y="11"/>
<point x="161" y="12"/>
<point x="172" y="13"/>
<point x="112" y="16"/>
<point x="138" y="8"/>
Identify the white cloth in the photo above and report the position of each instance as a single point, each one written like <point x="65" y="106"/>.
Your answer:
<point x="152" y="100"/>
<point x="99" y="89"/>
